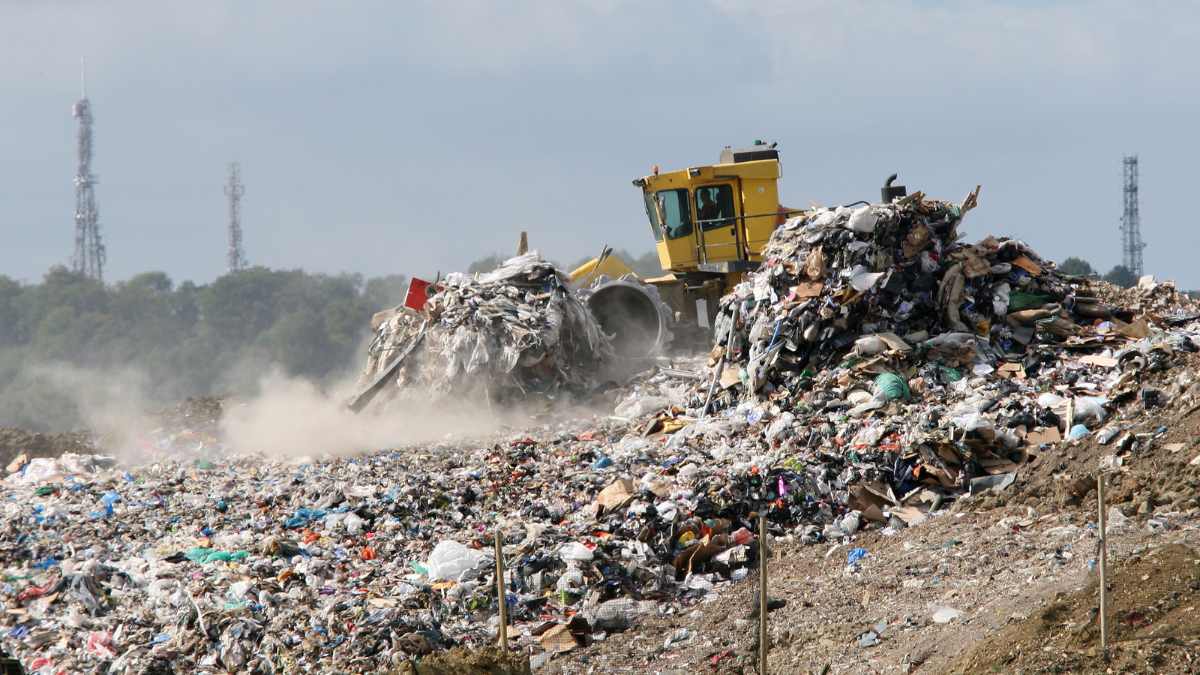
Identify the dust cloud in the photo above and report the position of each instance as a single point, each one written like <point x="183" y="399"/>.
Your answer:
<point x="292" y="418"/>
<point x="111" y="403"/>
<point x="280" y="417"/>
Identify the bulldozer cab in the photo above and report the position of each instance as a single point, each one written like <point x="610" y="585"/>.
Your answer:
<point x="715" y="218"/>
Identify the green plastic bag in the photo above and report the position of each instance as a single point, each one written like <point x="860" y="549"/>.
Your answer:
<point x="206" y="555"/>
<point x="950" y="374"/>
<point x="892" y="386"/>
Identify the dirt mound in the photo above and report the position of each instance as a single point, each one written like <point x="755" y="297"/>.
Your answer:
<point x="197" y="414"/>
<point x="1154" y="601"/>
<point x="15" y="442"/>
<point x="489" y="661"/>
<point x="1149" y="459"/>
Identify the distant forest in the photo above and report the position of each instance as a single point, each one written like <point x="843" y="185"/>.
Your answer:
<point x="184" y="340"/>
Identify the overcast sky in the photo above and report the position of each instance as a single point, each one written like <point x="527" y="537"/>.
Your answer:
<point x="407" y="137"/>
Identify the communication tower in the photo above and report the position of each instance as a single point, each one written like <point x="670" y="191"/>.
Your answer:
<point x="1131" y="227"/>
<point x="234" y="189"/>
<point x="90" y="253"/>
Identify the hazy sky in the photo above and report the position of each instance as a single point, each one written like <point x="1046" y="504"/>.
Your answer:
<point x="383" y="137"/>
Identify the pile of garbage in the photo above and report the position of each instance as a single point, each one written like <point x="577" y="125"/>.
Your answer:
<point x="361" y="564"/>
<point x="898" y="368"/>
<point x="885" y="279"/>
<point x="364" y="563"/>
<point x="867" y="377"/>
<point x="512" y="332"/>
<point x="17" y="442"/>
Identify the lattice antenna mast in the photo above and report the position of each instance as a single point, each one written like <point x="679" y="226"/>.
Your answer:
<point x="1131" y="226"/>
<point x="90" y="254"/>
<point x="234" y="189"/>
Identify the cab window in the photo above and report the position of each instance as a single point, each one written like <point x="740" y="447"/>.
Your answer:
<point x="670" y="207"/>
<point x="652" y="214"/>
<point x="714" y="206"/>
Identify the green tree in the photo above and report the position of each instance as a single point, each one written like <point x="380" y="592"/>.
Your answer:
<point x="646" y="265"/>
<point x="385" y="292"/>
<point x="485" y="264"/>
<point x="10" y="311"/>
<point x="1121" y="276"/>
<point x="1076" y="267"/>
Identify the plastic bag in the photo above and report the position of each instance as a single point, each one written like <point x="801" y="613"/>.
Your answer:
<point x="451" y="560"/>
<point x="781" y="428"/>
<point x="862" y="220"/>
<point x="577" y="552"/>
<point x="863" y="279"/>
<point x="1090" y="409"/>
<point x="891" y="387"/>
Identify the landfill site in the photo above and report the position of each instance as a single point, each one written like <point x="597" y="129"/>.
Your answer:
<point x="925" y="454"/>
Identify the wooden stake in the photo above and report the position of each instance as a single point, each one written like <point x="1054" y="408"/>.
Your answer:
<point x="762" y="594"/>
<point x="500" y="594"/>
<point x="1103" y="567"/>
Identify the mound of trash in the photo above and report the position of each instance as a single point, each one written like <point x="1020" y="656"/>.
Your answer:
<point x="897" y="368"/>
<point x="918" y="370"/>
<point x="512" y="332"/>
<point x="885" y="279"/>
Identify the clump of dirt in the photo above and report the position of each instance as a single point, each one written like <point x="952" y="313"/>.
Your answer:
<point x="489" y="661"/>
<point x="200" y="414"/>
<point x="14" y="442"/>
<point x="1154" y="624"/>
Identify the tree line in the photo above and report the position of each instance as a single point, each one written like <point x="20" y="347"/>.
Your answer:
<point x="1119" y="275"/>
<point x="185" y="339"/>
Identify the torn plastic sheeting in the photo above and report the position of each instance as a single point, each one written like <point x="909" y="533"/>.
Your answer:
<point x="862" y="220"/>
<point x="863" y="280"/>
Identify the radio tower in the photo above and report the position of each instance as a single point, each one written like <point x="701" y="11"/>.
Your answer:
<point x="1131" y="227"/>
<point x="89" y="249"/>
<point x="234" y="189"/>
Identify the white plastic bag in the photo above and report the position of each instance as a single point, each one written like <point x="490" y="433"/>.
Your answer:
<point x="576" y="551"/>
<point x="452" y="560"/>
<point x="1090" y="409"/>
<point x="862" y="220"/>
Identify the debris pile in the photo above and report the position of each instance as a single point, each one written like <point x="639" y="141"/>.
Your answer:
<point x="894" y="368"/>
<point x="360" y="564"/>
<point x="917" y="370"/>
<point x="883" y="279"/>
<point x="516" y="331"/>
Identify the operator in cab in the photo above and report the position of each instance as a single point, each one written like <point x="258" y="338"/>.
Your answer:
<point x="709" y="210"/>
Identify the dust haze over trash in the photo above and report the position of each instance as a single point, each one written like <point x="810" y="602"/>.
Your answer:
<point x="279" y="416"/>
<point x="293" y="418"/>
<point x="110" y="403"/>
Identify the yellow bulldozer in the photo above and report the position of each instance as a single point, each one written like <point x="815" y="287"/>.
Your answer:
<point x="710" y="224"/>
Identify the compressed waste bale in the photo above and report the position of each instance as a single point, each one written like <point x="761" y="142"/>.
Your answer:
<point x="511" y="332"/>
